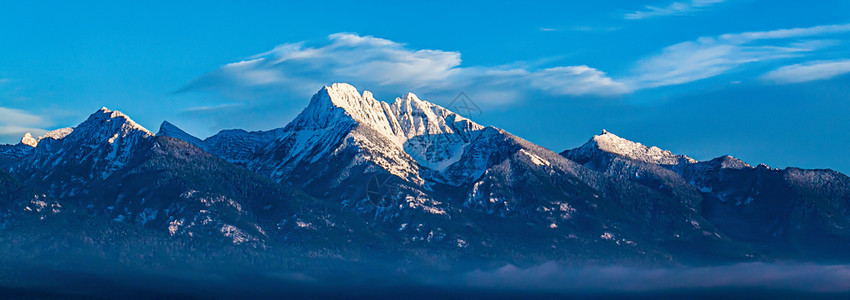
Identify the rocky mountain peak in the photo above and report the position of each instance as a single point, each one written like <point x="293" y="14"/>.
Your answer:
<point x="729" y="162"/>
<point x="407" y="117"/>
<point x="102" y="144"/>
<point x="105" y="120"/>
<point x="29" y="140"/>
<point x="611" y="143"/>
<point x="171" y="130"/>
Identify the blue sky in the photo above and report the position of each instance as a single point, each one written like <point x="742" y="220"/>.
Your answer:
<point x="765" y="81"/>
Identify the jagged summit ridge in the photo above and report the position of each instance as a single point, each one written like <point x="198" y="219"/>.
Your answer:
<point x="105" y="115"/>
<point x="409" y="129"/>
<point x="407" y="117"/>
<point x="339" y="104"/>
<point x="611" y="143"/>
<point x="57" y="134"/>
<point x="408" y="122"/>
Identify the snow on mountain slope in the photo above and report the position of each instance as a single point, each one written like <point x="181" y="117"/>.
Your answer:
<point x="608" y="142"/>
<point x="434" y="136"/>
<point x="649" y="166"/>
<point x="440" y="168"/>
<point x="524" y="181"/>
<point x="419" y="134"/>
<point x="57" y="134"/>
<point x="759" y="205"/>
<point x="179" y="188"/>
<point x="336" y="144"/>
<point x="450" y="168"/>
<point x="343" y="138"/>
<point x="429" y="181"/>
<point x="402" y="137"/>
<point x="111" y="167"/>
<point x="652" y="166"/>
<point x="96" y="148"/>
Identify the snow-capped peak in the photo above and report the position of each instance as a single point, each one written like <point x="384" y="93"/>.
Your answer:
<point x="729" y="162"/>
<point x="104" y="114"/>
<point x="406" y="118"/>
<point x="101" y="145"/>
<point x="411" y="97"/>
<point x="103" y="125"/>
<point x="332" y="103"/>
<point x="57" y="134"/>
<point x="364" y="109"/>
<point x="29" y="140"/>
<point x="611" y="143"/>
<point x="400" y="137"/>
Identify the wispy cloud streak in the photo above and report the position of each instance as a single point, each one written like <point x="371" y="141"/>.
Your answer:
<point x="672" y="9"/>
<point x="14" y="123"/>
<point x="809" y="71"/>
<point x="711" y="56"/>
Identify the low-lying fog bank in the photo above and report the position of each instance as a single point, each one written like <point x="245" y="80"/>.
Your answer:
<point x="546" y="280"/>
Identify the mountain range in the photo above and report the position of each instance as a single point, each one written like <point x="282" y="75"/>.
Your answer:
<point x="357" y="181"/>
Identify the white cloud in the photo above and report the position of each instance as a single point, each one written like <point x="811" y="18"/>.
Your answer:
<point x="294" y="71"/>
<point x="576" y="80"/>
<point x="691" y="61"/>
<point x="16" y="132"/>
<point x="212" y="107"/>
<point x="15" y="123"/>
<point x="376" y="63"/>
<point x="711" y="56"/>
<point x="672" y="9"/>
<point x="19" y="117"/>
<point x="809" y="71"/>
<point x="786" y="33"/>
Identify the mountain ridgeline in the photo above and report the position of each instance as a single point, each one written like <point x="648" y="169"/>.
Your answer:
<point x="359" y="181"/>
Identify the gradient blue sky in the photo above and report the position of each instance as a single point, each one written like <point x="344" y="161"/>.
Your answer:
<point x="765" y="81"/>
